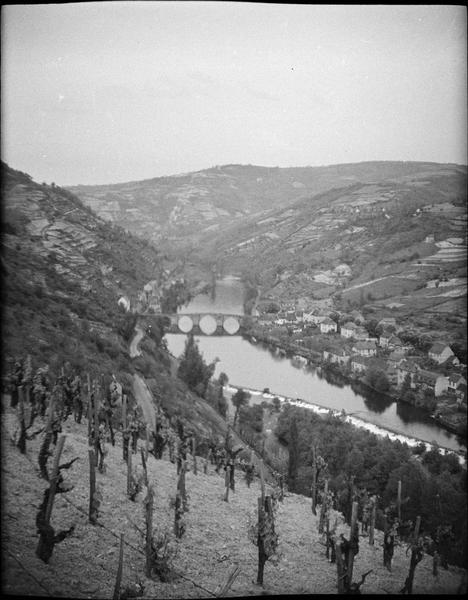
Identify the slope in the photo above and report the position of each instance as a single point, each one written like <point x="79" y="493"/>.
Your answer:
<point x="63" y="272"/>
<point x="216" y="539"/>
<point x="184" y="208"/>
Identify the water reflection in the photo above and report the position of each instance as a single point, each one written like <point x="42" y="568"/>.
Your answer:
<point x="374" y="401"/>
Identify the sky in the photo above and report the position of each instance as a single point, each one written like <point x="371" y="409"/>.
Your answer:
<point x="107" y="92"/>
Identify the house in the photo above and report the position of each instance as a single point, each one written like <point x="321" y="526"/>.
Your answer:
<point x="359" y="364"/>
<point x="299" y="316"/>
<point x="384" y="339"/>
<point x="361" y="334"/>
<point x="347" y="330"/>
<point x="454" y="380"/>
<point x="291" y="316"/>
<point x="396" y="357"/>
<point x="124" y="302"/>
<point x="394" y="343"/>
<point x="440" y="352"/>
<point x="387" y="322"/>
<point x="312" y="317"/>
<point x="340" y="356"/>
<point x="327" y="325"/>
<point x="357" y="317"/>
<point x="435" y="382"/>
<point x="407" y="367"/>
<point x="365" y="348"/>
<point x="460" y="393"/>
<point x="342" y="270"/>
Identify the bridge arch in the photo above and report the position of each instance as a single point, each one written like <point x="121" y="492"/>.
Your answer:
<point x="185" y="324"/>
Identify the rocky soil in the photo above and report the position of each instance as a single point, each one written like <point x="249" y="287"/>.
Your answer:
<point x="216" y="539"/>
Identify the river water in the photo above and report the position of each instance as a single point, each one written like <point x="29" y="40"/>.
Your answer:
<point x="255" y="367"/>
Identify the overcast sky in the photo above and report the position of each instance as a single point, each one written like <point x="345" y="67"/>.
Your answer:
<point x="108" y="92"/>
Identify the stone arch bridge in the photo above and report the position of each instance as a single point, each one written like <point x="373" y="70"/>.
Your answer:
<point x="203" y="323"/>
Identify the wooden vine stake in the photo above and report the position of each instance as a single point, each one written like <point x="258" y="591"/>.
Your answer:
<point x="149" y="530"/>
<point x="179" y="525"/>
<point x="92" y="512"/>
<point x="118" y="579"/>
<point x="96" y="422"/>
<point x="372" y="520"/>
<point x="353" y="542"/>
<point x="90" y="410"/>
<point x="313" y="487"/>
<point x="125" y="433"/>
<point x="147" y="441"/>
<point x="143" y="462"/>
<point x="323" y="508"/>
<point x="129" y="473"/>
<point x="21" y="421"/>
<point x="399" y="501"/>
<point x="262" y="480"/>
<point x="194" y="450"/>
<point x="267" y="539"/>
<point x="227" y="478"/>
<point x="44" y="543"/>
<point x="416" y="556"/>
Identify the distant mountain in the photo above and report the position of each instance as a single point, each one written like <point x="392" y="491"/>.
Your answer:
<point x="180" y="209"/>
<point x="401" y="223"/>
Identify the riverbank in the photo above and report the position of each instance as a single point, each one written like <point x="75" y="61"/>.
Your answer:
<point x="258" y="396"/>
<point x="447" y="421"/>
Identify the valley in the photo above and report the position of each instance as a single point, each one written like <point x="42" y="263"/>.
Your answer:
<point x="310" y="267"/>
<point x="388" y="240"/>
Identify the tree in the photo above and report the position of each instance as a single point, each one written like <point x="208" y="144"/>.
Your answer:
<point x="276" y="404"/>
<point x="193" y="369"/>
<point x="240" y="398"/>
<point x="378" y="379"/>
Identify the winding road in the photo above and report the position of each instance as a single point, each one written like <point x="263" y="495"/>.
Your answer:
<point x="139" y="335"/>
<point x="140" y="389"/>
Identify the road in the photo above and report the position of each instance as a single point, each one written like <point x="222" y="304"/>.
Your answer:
<point x="145" y="400"/>
<point x="139" y="335"/>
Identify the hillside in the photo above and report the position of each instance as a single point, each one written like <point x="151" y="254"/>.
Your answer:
<point x="385" y="233"/>
<point x="85" y="564"/>
<point x="183" y="208"/>
<point x="63" y="272"/>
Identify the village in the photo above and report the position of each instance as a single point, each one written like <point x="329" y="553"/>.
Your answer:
<point x="377" y="353"/>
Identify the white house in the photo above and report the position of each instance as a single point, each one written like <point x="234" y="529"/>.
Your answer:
<point x="327" y="325"/>
<point x="455" y="380"/>
<point x="365" y="348"/>
<point x="435" y="382"/>
<point x="440" y="352"/>
<point x="359" y="364"/>
<point x="347" y="330"/>
<point x="124" y="302"/>
<point x="340" y="357"/>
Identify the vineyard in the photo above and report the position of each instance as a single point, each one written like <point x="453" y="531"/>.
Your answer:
<point x="95" y="507"/>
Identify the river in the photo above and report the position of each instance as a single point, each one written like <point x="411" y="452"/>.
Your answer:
<point x="255" y="367"/>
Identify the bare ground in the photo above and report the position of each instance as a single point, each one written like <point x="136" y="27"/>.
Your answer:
<point x="85" y="564"/>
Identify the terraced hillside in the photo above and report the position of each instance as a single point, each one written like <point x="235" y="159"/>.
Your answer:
<point x="183" y="208"/>
<point x="64" y="270"/>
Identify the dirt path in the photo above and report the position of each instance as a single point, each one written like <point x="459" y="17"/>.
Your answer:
<point x="139" y="335"/>
<point x="145" y="400"/>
